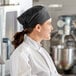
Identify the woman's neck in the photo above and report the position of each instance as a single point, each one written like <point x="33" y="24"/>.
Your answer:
<point x="35" y="37"/>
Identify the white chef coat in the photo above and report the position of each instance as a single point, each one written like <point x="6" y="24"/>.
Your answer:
<point x="31" y="59"/>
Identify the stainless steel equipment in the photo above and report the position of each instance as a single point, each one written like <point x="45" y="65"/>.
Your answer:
<point x="63" y="44"/>
<point x="8" y="27"/>
<point x="8" y="2"/>
<point x="64" y="55"/>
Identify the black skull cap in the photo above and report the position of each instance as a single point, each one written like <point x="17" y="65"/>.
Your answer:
<point x="35" y="15"/>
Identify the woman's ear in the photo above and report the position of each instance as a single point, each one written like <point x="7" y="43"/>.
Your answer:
<point x="38" y="27"/>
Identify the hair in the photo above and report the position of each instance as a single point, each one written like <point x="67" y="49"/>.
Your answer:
<point x="19" y="37"/>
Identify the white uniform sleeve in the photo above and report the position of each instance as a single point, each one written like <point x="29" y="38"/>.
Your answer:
<point x="13" y="66"/>
<point x="20" y="66"/>
<point x="25" y="68"/>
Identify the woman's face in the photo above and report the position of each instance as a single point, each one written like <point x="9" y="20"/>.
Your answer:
<point x="46" y="29"/>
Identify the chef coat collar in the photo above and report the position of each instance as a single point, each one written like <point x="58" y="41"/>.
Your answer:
<point x="32" y="42"/>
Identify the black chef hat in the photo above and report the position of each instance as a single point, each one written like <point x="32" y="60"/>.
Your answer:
<point x="35" y="15"/>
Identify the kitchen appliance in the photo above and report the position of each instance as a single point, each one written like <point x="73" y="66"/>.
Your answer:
<point x="8" y="27"/>
<point x="63" y="44"/>
<point x="8" y="2"/>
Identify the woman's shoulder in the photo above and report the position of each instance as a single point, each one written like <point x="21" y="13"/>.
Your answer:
<point x="22" y="48"/>
<point x="21" y="52"/>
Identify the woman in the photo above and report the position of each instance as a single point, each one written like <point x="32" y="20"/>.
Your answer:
<point x="29" y="57"/>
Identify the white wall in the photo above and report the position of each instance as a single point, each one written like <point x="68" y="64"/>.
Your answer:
<point x="25" y="4"/>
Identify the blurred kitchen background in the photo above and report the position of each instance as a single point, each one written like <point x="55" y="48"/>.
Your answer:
<point x="62" y="46"/>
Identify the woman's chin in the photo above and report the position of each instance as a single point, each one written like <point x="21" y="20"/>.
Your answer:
<point x="47" y="38"/>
